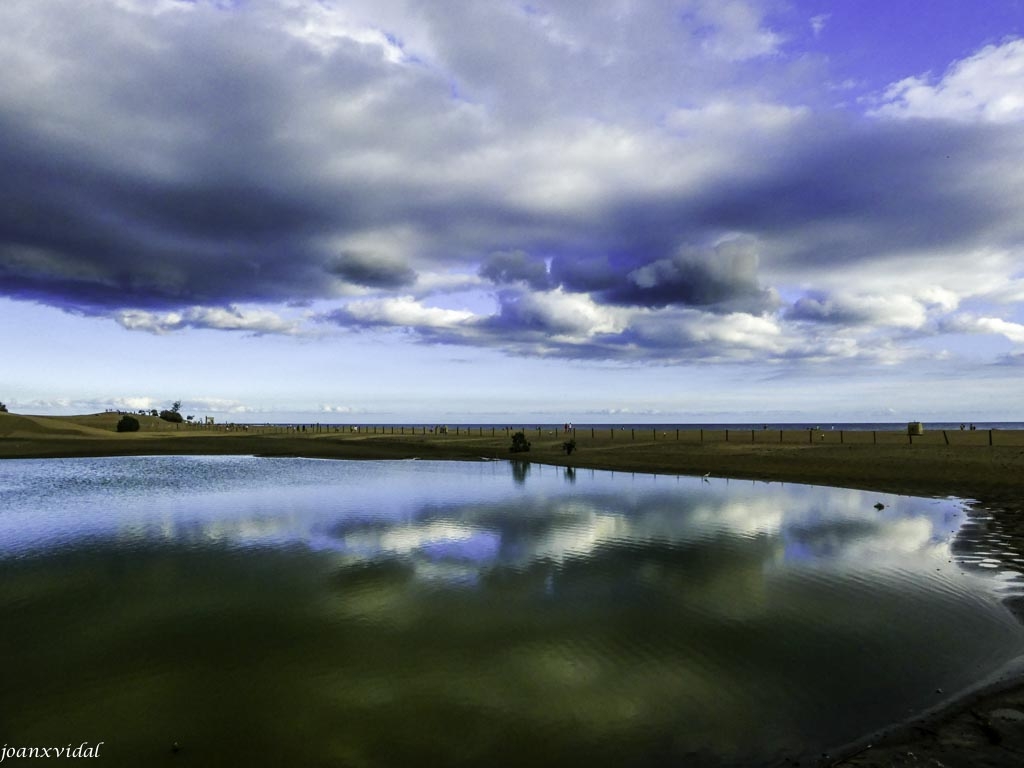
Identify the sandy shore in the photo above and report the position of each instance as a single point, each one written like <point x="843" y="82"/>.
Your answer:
<point x="985" y="729"/>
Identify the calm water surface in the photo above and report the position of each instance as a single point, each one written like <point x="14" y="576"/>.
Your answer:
<point x="302" y="612"/>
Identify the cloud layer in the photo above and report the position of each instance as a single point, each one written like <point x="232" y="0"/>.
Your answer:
<point x="654" y="181"/>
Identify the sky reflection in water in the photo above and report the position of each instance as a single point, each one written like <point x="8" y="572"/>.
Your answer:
<point x="365" y="510"/>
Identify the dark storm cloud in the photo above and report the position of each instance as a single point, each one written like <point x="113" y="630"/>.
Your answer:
<point x="820" y="309"/>
<point x="371" y="271"/>
<point x="724" y="276"/>
<point x="74" y="232"/>
<point x="505" y="267"/>
<point x="847" y="193"/>
<point x="585" y="272"/>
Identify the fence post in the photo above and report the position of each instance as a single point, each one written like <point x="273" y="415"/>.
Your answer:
<point x="727" y="435"/>
<point x="751" y="435"/>
<point x="632" y="433"/>
<point x="702" y="435"/>
<point x="945" y="437"/>
<point x="990" y="437"/>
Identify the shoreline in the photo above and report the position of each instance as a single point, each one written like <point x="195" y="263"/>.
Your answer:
<point x="982" y="726"/>
<point x="992" y="475"/>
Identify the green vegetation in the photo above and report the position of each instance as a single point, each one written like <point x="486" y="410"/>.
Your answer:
<point x="569" y="446"/>
<point x="3" y="408"/>
<point x="173" y="415"/>
<point x="519" y="443"/>
<point x="128" y="424"/>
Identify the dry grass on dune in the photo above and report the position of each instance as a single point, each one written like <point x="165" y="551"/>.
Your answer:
<point x="16" y="425"/>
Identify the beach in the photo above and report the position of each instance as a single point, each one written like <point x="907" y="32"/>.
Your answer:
<point x="985" y="467"/>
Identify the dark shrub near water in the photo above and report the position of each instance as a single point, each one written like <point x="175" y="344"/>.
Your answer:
<point x="519" y="443"/>
<point x="172" y="416"/>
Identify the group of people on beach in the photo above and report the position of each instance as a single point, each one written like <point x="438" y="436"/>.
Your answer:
<point x="972" y="428"/>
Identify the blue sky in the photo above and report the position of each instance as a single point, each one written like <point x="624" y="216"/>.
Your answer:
<point x="387" y="210"/>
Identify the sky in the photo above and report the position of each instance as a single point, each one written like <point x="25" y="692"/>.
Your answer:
<point x="491" y="211"/>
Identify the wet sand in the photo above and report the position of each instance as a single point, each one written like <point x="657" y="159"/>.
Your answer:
<point x="984" y="729"/>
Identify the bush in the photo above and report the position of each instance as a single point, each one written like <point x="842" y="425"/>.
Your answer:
<point x="172" y="416"/>
<point x="3" y="408"/>
<point x="519" y="443"/>
<point x="569" y="446"/>
<point x="128" y="424"/>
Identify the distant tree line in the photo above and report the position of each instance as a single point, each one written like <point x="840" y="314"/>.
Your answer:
<point x="173" y="414"/>
<point x="129" y="423"/>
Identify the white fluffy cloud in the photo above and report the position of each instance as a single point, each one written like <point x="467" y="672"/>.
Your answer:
<point x="405" y="312"/>
<point x="252" y="320"/>
<point x="987" y="87"/>
<point x="967" y="323"/>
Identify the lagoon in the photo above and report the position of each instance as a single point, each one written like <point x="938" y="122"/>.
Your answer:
<point x="310" y="612"/>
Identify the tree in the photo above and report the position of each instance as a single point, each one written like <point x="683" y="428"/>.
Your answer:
<point x="519" y="443"/>
<point x="3" y="408"/>
<point x="128" y="424"/>
<point x="172" y="414"/>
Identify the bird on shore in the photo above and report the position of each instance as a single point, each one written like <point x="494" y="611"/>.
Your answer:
<point x="705" y="477"/>
<point x="879" y="506"/>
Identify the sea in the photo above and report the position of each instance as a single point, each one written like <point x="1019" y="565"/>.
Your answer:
<point x="879" y="426"/>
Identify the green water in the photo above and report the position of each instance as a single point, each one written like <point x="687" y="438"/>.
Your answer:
<point x="297" y="612"/>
